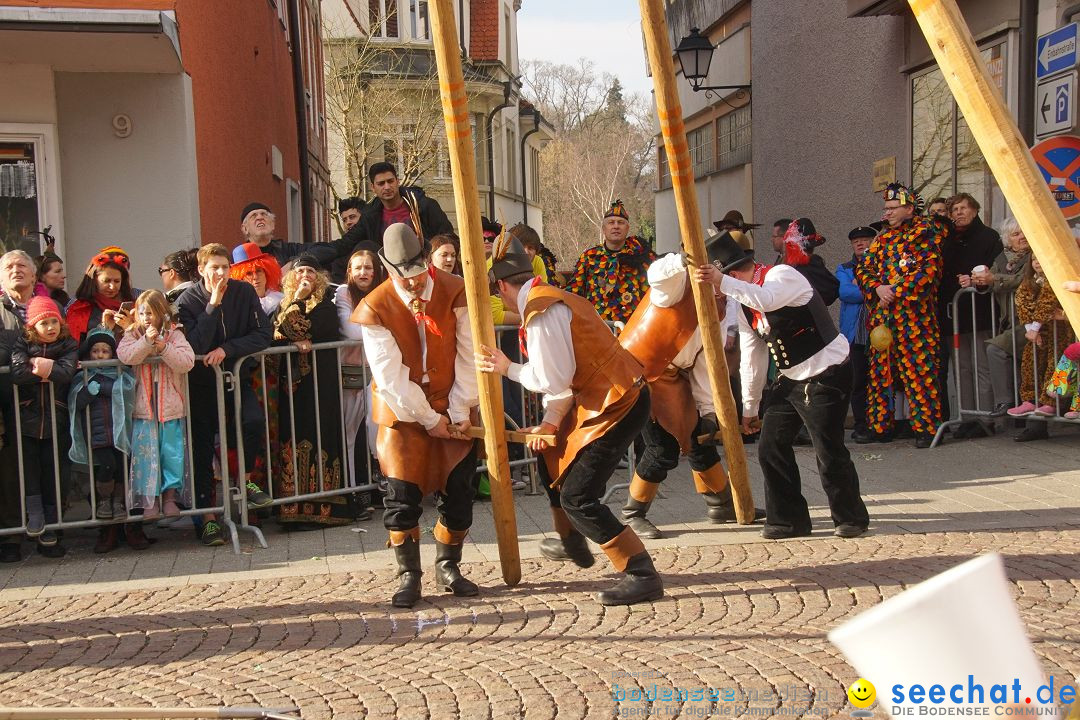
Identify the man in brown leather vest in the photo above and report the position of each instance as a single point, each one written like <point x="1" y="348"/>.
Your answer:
<point x="417" y="342"/>
<point x="663" y="335"/>
<point x="595" y="403"/>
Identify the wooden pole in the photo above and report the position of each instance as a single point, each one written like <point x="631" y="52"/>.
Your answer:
<point x="1002" y="145"/>
<point x="669" y="108"/>
<point x="467" y="197"/>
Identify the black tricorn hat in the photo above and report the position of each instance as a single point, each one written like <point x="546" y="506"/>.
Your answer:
<point x="733" y="220"/>
<point x="726" y="253"/>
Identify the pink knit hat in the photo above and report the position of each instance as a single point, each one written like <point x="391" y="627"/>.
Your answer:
<point x="41" y="307"/>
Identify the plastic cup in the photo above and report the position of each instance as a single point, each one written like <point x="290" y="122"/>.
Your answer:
<point x="960" y="623"/>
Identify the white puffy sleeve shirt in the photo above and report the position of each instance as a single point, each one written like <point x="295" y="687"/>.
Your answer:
<point x="405" y="398"/>
<point x="551" y="364"/>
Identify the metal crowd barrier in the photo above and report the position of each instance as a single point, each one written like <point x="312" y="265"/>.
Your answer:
<point x="230" y="489"/>
<point x="962" y="414"/>
<point x="63" y="468"/>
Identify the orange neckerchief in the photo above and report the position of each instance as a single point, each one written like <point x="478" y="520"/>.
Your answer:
<point x="416" y="305"/>
<point x="759" y="280"/>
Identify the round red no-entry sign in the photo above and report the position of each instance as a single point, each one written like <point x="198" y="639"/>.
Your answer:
<point x="1058" y="159"/>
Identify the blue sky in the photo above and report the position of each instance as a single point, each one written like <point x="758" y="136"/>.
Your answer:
<point x="608" y="32"/>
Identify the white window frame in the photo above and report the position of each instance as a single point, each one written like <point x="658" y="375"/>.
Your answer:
<point x="47" y="159"/>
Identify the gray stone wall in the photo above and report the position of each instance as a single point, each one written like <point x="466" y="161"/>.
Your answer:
<point x="828" y="100"/>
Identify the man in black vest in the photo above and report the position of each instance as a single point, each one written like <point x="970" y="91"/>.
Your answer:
<point x="784" y="316"/>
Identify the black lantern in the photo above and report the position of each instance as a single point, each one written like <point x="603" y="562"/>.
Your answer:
<point x="695" y="55"/>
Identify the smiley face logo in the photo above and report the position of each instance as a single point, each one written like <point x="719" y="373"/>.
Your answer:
<point x="862" y="693"/>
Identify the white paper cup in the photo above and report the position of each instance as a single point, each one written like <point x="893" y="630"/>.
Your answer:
<point x="979" y="269"/>
<point x="960" y="623"/>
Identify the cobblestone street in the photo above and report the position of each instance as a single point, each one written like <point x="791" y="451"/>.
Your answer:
<point x="307" y="623"/>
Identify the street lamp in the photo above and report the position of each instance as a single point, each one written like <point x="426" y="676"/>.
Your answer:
<point x="695" y="56"/>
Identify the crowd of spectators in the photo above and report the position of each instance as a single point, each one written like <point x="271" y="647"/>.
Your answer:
<point x="117" y="388"/>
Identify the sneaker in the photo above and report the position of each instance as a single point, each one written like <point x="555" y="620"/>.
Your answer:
<point x="211" y="534"/>
<point x="1023" y="408"/>
<point x="1046" y="411"/>
<point x="1000" y="410"/>
<point x="1072" y="415"/>
<point x="35" y="524"/>
<point x="256" y="498"/>
<point x="119" y="510"/>
<point x="519" y="485"/>
<point x="48" y="538"/>
<point x="104" y="509"/>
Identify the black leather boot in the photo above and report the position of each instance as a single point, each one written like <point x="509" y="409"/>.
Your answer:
<point x="574" y="547"/>
<point x="637" y="505"/>
<point x="408" y="559"/>
<point x="641" y="583"/>
<point x="721" y="508"/>
<point x="448" y="575"/>
<point x="569" y="545"/>
<point x="634" y="515"/>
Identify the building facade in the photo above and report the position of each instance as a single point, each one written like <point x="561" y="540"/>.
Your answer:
<point x="149" y="124"/>
<point x="392" y="38"/>
<point x="845" y="96"/>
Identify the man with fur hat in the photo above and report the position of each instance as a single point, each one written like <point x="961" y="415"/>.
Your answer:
<point x="784" y="316"/>
<point x="611" y="275"/>
<point x="419" y="346"/>
<point x="663" y="334"/>
<point x="595" y="403"/>
<point x="899" y="275"/>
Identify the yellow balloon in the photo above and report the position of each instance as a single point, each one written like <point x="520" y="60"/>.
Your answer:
<point x="881" y="338"/>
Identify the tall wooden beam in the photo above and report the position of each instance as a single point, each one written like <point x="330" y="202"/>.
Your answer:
<point x="467" y="198"/>
<point x="669" y="108"/>
<point x="1004" y="149"/>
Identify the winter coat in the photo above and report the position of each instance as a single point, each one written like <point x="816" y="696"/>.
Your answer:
<point x="826" y="284"/>
<point x="369" y="229"/>
<point x="110" y="411"/>
<point x="169" y="376"/>
<point x="960" y="253"/>
<point x="238" y="325"/>
<point x="852" y="303"/>
<point x="35" y="404"/>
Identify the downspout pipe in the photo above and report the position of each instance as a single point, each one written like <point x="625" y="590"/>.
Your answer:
<point x="301" y="121"/>
<point x="508" y="87"/>
<point x="1025" y="111"/>
<point x="524" y="173"/>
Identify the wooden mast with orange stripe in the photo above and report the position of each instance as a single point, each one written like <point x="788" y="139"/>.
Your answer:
<point x="467" y="200"/>
<point x="669" y="108"/>
<point x="1003" y="147"/>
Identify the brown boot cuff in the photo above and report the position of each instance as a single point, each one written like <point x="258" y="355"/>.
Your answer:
<point x="642" y="490"/>
<point x="561" y="522"/>
<point x="448" y="537"/>
<point x="622" y="547"/>
<point x="712" y="480"/>
<point x="398" y="537"/>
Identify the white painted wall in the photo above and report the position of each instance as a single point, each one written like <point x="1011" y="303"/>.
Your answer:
<point x="137" y="192"/>
<point x="28" y="94"/>
<point x="716" y="193"/>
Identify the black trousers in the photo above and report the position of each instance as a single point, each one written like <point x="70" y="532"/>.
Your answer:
<point x="821" y="404"/>
<point x="859" y="370"/>
<point x="455" y="505"/>
<point x="662" y="452"/>
<point x="204" y="425"/>
<point x="584" y="482"/>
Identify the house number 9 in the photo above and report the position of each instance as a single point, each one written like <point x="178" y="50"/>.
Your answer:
<point x="121" y="125"/>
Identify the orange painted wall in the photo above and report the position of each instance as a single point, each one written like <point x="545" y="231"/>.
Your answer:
<point x="241" y="75"/>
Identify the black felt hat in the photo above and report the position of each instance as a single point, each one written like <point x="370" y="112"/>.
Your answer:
<point x="726" y="253"/>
